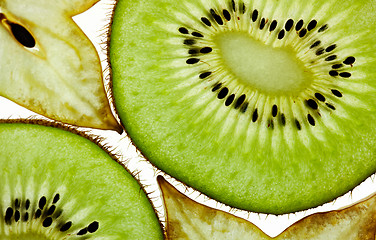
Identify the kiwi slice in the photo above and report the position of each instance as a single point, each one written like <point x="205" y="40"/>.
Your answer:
<point x="187" y="219"/>
<point x="49" y="66"/>
<point x="57" y="185"/>
<point x="267" y="106"/>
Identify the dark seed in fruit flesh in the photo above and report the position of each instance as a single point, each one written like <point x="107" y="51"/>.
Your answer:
<point x="22" y="35"/>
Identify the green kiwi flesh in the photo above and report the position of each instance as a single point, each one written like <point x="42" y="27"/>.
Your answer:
<point x="58" y="185"/>
<point x="267" y="106"/>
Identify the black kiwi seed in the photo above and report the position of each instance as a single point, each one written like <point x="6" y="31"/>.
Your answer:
<point x="345" y="74"/>
<point x="26" y="217"/>
<point x="331" y="48"/>
<point x="58" y="212"/>
<point x="206" y="50"/>
<point x="189" y="42"/>
<point x="289" y="24"/>
<point x="337" y="66"/>
<point x="299" y="25"/>
<point x="320" y="97"/>
<point x="311" y="120"/>
<point x="56" y="198"/>
<point x="93" y="227"/>
<point x="47" y="222"/>
<point x="230" y="99"/>
<point x="297" y="123"/>
<point x="330" y="106"/>
<point x="281" y="34"/>
<point x="205" y="75"/>
<point x="336" y="93"/>
<point x="311" y="25"/>
<point x="223" y="93"/>
<point x="254" y="115"/>
<point x="216" y="17"/>
<point x="193" y="51"/>
<point x="206" y="21"/>
<point x="244" y="107"/>
<point x="315" y="44"/>
<point x="240" y="101"/>
<point x="216" y="87"/>
<point x="192" y="60"/>
<point x="312" y="104"/>
<point x="333" y="73"/>
<point x="331" y="58"/>
<point x="242" y="8"/>
<point x="227" y="15"/>
<point x="17" y="215"/>
<point x="42" y="202"/>
<point x="22" y="35"/>
<point x="197" y="34"/>
<point x="233" y="5"/>
<point x="254" y="15"/>
<point x="183" y="30"/>
<point x="8" y="215"/>
<point x="17" y="203"/>
<point x="273" y="26"/>
<point x="302" y="33"/>
<point x="349" y="61"/>
<point x="51" y="210"/>
<point x="82" y="231"/>
<point x="323" y="28"/>
<point x="66" y="226"/>
<point x="27" y="204"/>
<point x="320" y="51"/>
<point x="283" y="119"/>
<point x="38" y="213"/>
<point x="262" y="23"/>
<point x="274" y="110"/>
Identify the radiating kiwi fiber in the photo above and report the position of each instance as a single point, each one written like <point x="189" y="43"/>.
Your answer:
<point x="57" y="185"/>
<point x="263" y="105"/>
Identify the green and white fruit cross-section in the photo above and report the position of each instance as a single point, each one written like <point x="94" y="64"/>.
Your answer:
<point x="267" y="106"/>
<point x="49" y="66"/>
<point x="58" y="185"/>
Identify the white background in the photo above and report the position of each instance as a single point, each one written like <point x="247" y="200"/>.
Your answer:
<point x="94" y="23"/>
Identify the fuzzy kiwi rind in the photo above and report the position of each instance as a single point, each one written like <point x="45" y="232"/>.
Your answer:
<point x="57" y="184"/>
<point x="295" y="162"/>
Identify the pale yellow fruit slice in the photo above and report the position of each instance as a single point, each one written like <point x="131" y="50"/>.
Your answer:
<point x="48" y="65"/>
<point x="187" y="219"/>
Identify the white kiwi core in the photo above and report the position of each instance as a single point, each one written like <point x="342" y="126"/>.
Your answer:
<point x="261" y="66"/>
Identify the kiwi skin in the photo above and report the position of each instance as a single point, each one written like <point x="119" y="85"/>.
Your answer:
<point x="98" y="141"/>
<point x="310" y="189"/>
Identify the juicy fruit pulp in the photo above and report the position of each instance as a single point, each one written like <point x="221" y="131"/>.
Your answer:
<point x="187" y="219"/>
<point x="49" y="66"/>
<point x="57" y="185"/>
<point x="262" y="144"/>
<point x="244" y="55"/>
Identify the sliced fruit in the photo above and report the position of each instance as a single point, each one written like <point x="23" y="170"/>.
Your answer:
<point x="49" y="66"/>
<point x="267" y="106"/>
<point x="187" y="219"/>
<point x="57" y="185"/>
